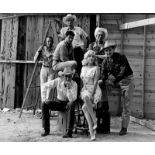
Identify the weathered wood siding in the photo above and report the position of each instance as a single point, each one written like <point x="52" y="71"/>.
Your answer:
<point x="9" y="35"/>
<point x="20" y="68"/>
<point x="111" y="23"/>
<point x="20" y="39"/>
<point x="131" y="43"/>
<point x="36" y="28"/>
<point x="35" y="34"/>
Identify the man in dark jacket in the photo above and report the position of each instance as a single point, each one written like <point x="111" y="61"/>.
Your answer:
<point x="117" y="71"/>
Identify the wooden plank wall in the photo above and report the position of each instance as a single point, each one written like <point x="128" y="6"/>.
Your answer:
<point x="111" y="23"/>
<point x="20" y="68"/>
<point x="9" y="35"/>
<point x="23" y="46"/>
<point x="132" y="43"/>
<point x="35" y="32"/>
<point x="149" y="108"/>
<point x="36" y="27"/>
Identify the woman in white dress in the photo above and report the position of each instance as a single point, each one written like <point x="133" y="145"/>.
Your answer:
<point x="90" y="93"/>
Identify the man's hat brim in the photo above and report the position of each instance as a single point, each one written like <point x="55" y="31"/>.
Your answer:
<point x="69" y="17"/>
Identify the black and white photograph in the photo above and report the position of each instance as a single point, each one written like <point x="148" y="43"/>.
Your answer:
<point x="77" y="77"/>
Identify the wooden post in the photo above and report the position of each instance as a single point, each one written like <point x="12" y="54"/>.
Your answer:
<point x="33" y="72"/>
<point x="122" y="35"/>
<point x="143" y="71"/>
<point x="138" y="23"/>
<point x="27" y="91"/>
<point x="97" y="20"/>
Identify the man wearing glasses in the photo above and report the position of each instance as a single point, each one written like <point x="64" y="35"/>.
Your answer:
<point x="117" y="71"/>
<point x="66" y="96"/>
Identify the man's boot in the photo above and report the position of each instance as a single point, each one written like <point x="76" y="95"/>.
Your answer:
<point x="68" y="134"/>
<point x="123" y="131"/>
<point x="45" y="132"/>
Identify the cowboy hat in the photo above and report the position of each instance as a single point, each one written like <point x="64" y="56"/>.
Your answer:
<point x="66" y="71"/>
<point x="109" y="44"/>
<point x="99" y="29"/>
<point x="69" y="17"/>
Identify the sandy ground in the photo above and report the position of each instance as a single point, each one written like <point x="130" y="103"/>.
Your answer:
<point x="28" y="129"/>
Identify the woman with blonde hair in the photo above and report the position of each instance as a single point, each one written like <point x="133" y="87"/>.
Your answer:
<point x="90" y="93"/>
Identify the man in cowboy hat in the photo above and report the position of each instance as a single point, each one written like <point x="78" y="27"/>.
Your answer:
<point x="116" y="70"/>
<point x="102" y="112"/>
<point x="80" y="42"/>
<point x="66" y="96"/>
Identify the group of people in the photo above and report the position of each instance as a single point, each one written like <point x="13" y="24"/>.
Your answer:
<point x="84" y="70"/>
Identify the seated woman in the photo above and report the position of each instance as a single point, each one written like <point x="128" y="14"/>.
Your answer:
<point x="90" y="93"/>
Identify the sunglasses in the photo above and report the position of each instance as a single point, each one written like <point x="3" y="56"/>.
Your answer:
<point x="108" y="50"/>
<point x="68" y="76"/>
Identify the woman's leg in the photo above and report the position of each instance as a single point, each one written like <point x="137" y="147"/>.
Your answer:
<point x="90" y="110"/>
<point x="89" y="120"/>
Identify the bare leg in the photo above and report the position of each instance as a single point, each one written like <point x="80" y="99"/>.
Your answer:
<point x="89" y="120"/>
<point x="90" y="110"/>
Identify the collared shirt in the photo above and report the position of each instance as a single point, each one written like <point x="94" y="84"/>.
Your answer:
<point x="118" y="66"/>
<point x="46" y="55"/>
<point x="98" y="48"/>
<point x="79" y="38"/>
<point x="63" y="52"/>
<point x="63" y="93"/>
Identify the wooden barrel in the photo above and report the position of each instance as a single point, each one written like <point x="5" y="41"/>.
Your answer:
<point x="114" y="99"/>
<point x="63" y="122"/>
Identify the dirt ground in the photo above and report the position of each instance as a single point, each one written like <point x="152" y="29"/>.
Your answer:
<point x="28" y="129"/>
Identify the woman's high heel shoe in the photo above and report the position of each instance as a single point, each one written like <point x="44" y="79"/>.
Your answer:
<point x="93" y="137"/>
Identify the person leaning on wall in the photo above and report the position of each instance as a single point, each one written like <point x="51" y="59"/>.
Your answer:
<point x="116" y="70"/>
<point x="45" y="53"/>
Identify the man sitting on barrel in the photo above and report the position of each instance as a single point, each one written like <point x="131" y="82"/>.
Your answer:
<point x="66" y="96"/>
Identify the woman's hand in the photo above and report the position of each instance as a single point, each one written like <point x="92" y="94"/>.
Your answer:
<point x="94" y="106"/>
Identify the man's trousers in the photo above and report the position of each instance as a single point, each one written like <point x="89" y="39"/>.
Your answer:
<point x="57" y="106"/>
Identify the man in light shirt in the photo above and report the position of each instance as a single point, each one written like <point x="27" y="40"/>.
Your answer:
<point x="63" y="54"/>
<point x="80" y="41"/>
<point x="66" y="96"/>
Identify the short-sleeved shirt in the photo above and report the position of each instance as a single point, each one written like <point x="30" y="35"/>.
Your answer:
<point x="47" y="56"/>
<point x="63" y="52"/>
<point x="79" y="38"/>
